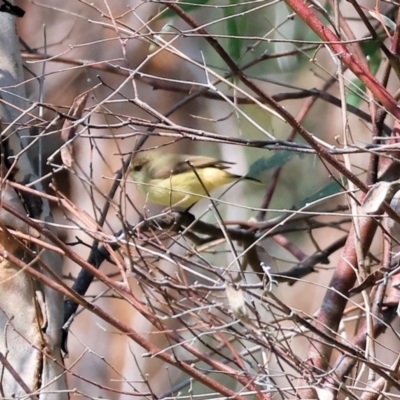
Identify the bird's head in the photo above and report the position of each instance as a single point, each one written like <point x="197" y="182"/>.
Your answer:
<point x="140" y="169"/>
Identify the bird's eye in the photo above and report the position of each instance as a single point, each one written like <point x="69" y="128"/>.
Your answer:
<point x="137" y="168"/>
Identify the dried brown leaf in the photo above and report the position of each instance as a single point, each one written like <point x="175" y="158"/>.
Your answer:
<point x="69" y="129"/>
<point x="380" y="192"/>
<point x="370" y="281"/>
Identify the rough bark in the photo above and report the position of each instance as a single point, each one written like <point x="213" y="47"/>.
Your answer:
<point x="30" y="315"/>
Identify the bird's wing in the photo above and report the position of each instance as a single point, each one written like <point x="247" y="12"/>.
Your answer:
<point x="188" y="162"/>
<point x="203" y="162"/>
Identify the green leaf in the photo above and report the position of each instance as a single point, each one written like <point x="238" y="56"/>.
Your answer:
<point x="357" y="93"/>
<point x="234" y="45"/>
<point x="373" y="53"/>
<point x="266" y="163"/>
<point x="383" y="18"/>
<point x="330" y="189"/>
<point x="232" y="30"/>
<point x="187" y="6"/>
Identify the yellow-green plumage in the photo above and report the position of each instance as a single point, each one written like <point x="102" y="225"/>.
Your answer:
<point x="169" y="179"/>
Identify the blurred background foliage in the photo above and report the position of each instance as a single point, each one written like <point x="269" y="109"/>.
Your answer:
<point x="83" y="33"/>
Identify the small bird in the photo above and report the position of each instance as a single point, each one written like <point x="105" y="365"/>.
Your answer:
<point x="170" y="179"/>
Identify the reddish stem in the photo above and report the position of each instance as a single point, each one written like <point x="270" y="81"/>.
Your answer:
<point x="303" y="10"/>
